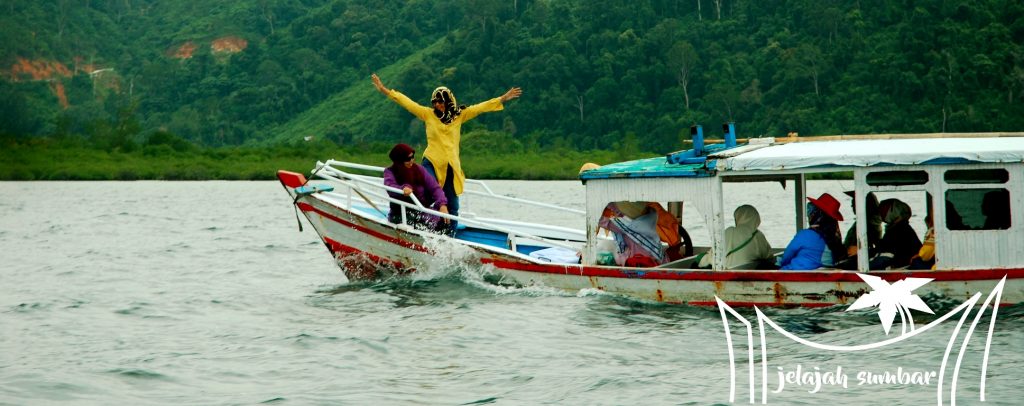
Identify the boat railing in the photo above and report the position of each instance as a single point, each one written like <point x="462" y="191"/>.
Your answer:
<point x="487" y="192"/>
<point x="368" y="186"/>
<point x="377" y="190"/>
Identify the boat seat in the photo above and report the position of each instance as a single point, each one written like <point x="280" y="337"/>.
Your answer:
<point x="687" y="262"/>
<point x="482" y="236"/>
<point x="370" y="211"/>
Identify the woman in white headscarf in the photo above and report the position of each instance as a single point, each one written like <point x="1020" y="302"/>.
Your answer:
<point x="746" y="245"/>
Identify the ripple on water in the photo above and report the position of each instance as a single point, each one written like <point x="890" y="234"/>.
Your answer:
<point x="377" y="347"/>
<point x="30" y="307"/>
<point x="142" y="310"/>
<point x="75" y="304"/>
<point x="485" y="401"/>
<point x="135" y="373"/>
<point x="133" y="309"/>
<point x="309" y="340"/>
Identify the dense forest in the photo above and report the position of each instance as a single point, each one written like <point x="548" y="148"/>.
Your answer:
<point x="615" y="75"/>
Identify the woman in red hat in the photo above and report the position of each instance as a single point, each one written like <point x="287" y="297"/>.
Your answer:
<point x="820" y="244"/>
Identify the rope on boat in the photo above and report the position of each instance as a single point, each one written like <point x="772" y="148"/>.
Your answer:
<point x="297" y="219"/>
<point x="295" y="205"/>
<point x="370" y="202"/>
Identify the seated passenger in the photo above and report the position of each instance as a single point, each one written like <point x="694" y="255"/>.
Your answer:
<point x="925" y="258"/>
<point x="953" y="219"/>
<point x="874" y="225"/>
<point x="635" y="229"/>
<point x="746" y="245"/>
<point x="819" y="245"/>
<point x="996" y="208"/>
<point x="409" y="176"/>
<point x="900" y="242"/>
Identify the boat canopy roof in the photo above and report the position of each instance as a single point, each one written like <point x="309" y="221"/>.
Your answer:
<point x="647" y="168"/>
<point x="827" y="154"/>
<point x="864" y="153"/>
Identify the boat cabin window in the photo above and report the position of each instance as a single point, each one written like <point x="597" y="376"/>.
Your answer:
<point x="897" y="178"/>
<point x="978" y="209"/>
<point x="976" y="176"/>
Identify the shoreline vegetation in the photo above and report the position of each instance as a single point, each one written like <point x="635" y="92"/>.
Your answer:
<point x="48" y="159"/>
<point x="173" y="159"/>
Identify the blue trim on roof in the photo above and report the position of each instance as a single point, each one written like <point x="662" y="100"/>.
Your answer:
<point x="950" y="161"/>
<point x="648" y="168"/>
<point x="692" y="156"/>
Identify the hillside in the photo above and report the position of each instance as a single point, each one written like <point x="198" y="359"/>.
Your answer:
<point x="355" y="110"/>
<point x="596" y="75"/>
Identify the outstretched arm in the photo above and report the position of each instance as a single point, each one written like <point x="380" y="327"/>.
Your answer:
<point x="512" y="93"/>
<point x="378" y="84"/>
<point x="422" y="112"/>
<point x="494" y="104"/>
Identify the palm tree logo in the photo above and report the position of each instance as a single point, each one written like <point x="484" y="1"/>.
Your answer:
<point x="892" y="299"/>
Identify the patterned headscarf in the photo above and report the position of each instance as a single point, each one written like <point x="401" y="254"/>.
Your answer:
<point x="896" y="212"/>
<point x="451" y="108"/>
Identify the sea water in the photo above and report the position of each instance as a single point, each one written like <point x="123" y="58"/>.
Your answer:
<point x="207" y="293"/>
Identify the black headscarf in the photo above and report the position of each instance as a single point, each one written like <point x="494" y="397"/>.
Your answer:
<point x="451" y="108"/>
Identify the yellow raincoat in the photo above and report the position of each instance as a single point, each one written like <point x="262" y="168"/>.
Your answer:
<point x="443" y="139"/>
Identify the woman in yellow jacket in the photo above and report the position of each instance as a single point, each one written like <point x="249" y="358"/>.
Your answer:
<point x="444" y="132"/>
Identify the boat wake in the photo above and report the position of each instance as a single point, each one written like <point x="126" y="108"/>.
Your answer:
<point x="484" y="277"/>
<point x="451" y="261"/>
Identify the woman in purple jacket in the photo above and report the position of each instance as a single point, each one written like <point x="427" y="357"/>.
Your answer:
<point x="407" y="175"/>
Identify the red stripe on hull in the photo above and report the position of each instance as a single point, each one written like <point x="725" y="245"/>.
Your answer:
<point x="306" y="207"/>
<point x="761" y="304"/>
<point x="361" y="265"/>
<point x="753" y="276"/>
<point x="337" y="247"/>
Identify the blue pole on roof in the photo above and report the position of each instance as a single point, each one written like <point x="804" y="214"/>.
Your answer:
<point x="697" y="135"/>
<point x="730" y="134"/>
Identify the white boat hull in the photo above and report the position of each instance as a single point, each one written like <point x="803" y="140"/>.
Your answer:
<point x="369" y="249"/>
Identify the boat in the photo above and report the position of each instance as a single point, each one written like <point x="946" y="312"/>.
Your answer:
<point x="347" y="204"/>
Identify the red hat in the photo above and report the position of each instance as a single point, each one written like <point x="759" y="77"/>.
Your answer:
<point x="827" y="204"/>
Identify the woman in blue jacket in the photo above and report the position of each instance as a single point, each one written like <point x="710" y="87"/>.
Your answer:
<point x="820" y="244"/>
